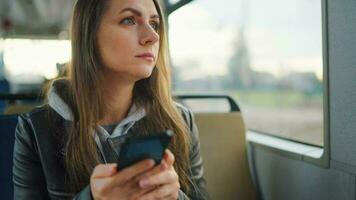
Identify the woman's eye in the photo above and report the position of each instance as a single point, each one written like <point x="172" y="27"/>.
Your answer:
<point x="155" y="25"/>
<point x="128" y="21"/>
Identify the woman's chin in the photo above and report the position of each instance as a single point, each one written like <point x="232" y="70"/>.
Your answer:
<point x="142" y="74"/>
<point x="145" y="71"/>
<point x="136" y="73"/>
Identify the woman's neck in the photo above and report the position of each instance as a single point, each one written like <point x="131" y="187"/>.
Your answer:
<point x="117" y="97"/>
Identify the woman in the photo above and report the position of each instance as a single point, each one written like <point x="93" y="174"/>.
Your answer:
<point x="118" y="87"/>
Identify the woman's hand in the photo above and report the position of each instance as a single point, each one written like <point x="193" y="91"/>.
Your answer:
<point x="163" y="178"/>
<point x="108" y="184"/>
<point x="141" y="181"/>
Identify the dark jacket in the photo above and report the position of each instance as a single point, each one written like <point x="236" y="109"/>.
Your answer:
<point x="38" y="170"/>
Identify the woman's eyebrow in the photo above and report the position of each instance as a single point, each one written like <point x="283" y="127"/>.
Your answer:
<point x="137" y="12"/>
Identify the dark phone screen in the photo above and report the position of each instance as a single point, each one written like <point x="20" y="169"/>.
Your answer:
<point x="141" y="147"/>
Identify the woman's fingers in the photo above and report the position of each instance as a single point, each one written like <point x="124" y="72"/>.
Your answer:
<point x="100" y="178"/>
<point x="168" y="190"/>
<point x="138" y="192"/>
<point x="168" y="157"/>
<point x="157" y="169"/>
<point x="165" y="177"/>
<point x="104" y="170"/>
<point x="158" y="174"/>
<point x="130" y="172"/>
<point x="166" y="163"/>
<point x="106" y="180"/>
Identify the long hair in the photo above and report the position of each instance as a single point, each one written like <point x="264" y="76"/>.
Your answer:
<point x="85" y="98"/>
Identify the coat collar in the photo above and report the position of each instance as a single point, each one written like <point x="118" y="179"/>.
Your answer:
<point x="56" y="101"/>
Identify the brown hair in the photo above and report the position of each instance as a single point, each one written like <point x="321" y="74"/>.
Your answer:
<point x="85" y="98"/>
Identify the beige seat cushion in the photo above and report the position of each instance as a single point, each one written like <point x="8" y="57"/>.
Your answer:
<point x="223" y="149"/>
<point x="15" y="109"/>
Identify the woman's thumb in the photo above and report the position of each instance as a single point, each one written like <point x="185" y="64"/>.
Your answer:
<point x="104" y="170"/>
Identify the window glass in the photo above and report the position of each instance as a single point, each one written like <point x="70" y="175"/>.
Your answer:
<point x="26" y="64"/>
<point x="266" y="54"/>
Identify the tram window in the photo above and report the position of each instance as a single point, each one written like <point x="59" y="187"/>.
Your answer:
<point x="27" y="63"/>
<point x="266" y="54"/>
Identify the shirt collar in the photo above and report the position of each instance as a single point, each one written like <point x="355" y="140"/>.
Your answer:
<point x="134" y="115"/>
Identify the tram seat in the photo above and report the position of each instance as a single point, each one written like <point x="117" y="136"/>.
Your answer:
<point x="224" y="151"/>
<point x="4" y="88"/>
<point x="7" y="138"/>
<point x="13" y="109"/>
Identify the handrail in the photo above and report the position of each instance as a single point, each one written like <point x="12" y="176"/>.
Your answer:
<point x="233" y="105"/>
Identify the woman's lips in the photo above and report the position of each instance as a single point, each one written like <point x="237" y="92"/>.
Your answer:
<point x="146" y="56"/>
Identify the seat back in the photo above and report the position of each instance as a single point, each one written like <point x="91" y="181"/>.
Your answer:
<point x="4" y="88"/>
<point x="223" y="149"/>
<point x="7" y="139"/>
<point x="15" y="109"/>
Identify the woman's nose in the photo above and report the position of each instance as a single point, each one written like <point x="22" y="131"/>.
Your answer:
<point x="149" y="36"/>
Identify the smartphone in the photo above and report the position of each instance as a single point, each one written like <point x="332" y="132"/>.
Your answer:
<point x="135" y="149"/>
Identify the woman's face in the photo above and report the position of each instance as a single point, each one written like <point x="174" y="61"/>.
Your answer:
<point x="128" y="39"/>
